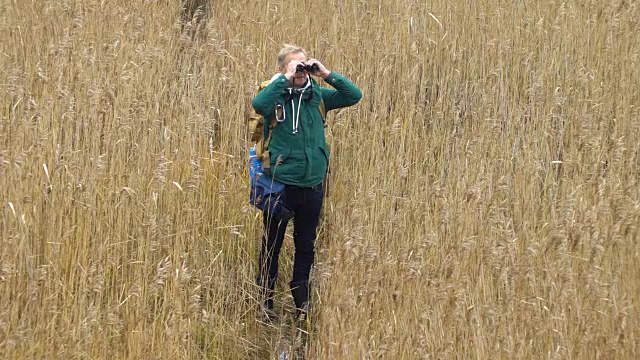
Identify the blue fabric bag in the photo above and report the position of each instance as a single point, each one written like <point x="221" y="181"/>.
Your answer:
<point x="266" y="194"/>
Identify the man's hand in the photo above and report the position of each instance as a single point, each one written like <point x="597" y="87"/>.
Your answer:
<point x="321" y="72"/>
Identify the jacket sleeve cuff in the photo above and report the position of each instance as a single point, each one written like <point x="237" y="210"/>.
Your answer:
<point x="332" y="77"/>
<point x="282" y="79"/>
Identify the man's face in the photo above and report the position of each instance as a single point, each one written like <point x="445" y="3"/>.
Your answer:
<point x="299" y="79"/>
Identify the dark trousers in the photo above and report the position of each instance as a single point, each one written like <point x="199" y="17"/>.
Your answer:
<point x="306" y="203"/>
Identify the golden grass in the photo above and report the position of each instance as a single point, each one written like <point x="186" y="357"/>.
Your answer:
<point x="485" y="199"/>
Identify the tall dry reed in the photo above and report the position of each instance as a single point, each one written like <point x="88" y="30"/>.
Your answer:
<point x="485" y="199"/>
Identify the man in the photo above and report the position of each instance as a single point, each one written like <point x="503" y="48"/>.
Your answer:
<point x="299" y="160"/>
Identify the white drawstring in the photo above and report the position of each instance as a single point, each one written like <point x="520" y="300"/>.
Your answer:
<point x="294" y="123"/>
<point x="296" y="117"/>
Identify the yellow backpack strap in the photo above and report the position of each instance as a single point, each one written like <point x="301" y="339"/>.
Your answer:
<point x="271" y="126"/>
<point x="323" y="112"/>
<point x="263" y="144"/>
<point x="265" y="155"/>
<point x="263" y="85"/>
<point x="325" y="180"/>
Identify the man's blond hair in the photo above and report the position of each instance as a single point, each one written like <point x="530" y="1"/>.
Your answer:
<point x="289" y="49"/>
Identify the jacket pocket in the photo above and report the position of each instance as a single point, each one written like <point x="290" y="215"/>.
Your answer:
<point x="280" y="158"/>
<point x="288" y="166"/>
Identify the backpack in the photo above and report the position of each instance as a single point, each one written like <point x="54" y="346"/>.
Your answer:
<point x="265" y="191"/>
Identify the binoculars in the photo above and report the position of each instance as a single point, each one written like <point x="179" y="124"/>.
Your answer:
<point x="309" y="68"/>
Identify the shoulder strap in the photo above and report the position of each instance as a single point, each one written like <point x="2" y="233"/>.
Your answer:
<point x="263" y="85"/>
<point x="323" y="111"/>
<point x="271" y="126"/>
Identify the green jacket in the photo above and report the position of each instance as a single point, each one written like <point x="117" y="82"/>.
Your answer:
<point x="299" y="154"/>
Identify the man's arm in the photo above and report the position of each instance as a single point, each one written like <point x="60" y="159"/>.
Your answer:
<point x="264" y="101"/>
<point x="344" y="92"/>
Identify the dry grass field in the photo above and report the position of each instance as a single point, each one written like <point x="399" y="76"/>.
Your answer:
<point x="485" y="200"/>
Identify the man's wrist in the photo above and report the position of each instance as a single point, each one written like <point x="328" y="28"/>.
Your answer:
<point x="325" y="75"/>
